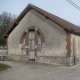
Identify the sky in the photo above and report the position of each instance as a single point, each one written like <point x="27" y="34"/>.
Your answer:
<point x="60" y="8"/>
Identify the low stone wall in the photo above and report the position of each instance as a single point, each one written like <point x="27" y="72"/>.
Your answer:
<point x="55" y="60"/>
<point x="18" y="57"/>
<point x="66" y="61"/>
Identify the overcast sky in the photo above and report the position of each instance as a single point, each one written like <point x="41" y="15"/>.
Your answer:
<point x="60" y="8"/>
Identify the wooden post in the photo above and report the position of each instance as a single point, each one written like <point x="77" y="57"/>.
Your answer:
<point x="26" y="42"/>
<point x="36" y="40"/>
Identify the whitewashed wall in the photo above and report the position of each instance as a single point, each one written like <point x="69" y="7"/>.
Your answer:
<point x="55" y="36"/>
<point x="75" y="45"/>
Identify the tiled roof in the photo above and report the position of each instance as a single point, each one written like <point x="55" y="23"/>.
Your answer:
<point x="63" y="23"/>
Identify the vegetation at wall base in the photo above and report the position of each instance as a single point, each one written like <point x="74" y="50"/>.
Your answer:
<point x="4" y="67"/>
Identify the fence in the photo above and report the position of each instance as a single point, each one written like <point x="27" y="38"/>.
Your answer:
<point x="3" y="55"/>
<point x="3" y="58"/>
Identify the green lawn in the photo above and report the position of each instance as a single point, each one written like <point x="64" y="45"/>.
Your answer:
<point x="3" y="67"/>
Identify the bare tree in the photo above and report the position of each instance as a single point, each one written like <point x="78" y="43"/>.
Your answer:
<point x="5" y="21"/>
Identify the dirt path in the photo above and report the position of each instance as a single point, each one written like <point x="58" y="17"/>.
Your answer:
<point x="37" y="71"/>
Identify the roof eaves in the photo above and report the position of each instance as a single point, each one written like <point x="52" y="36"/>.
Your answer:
<point x="40" y="11"/>
<point x="50" y="17"/>
<point x="15" y="22"/>
<point x="6" y="33"/>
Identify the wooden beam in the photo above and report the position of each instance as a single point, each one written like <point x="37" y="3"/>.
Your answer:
<point x="7" y="35"/>
<point x="16" y="22"/>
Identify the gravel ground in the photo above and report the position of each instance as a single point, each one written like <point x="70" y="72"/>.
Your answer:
<point x="37" y="71"/>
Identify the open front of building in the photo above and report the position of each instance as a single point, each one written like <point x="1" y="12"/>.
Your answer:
<point x="38" y="37"/>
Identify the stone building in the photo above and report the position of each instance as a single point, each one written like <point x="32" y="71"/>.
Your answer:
<point x="43" y="37"/>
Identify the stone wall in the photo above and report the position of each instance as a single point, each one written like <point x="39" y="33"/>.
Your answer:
<point x="14" y="57"/>
<point x="66" y="61"/>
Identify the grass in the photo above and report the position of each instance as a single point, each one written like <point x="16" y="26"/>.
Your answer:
<point x="4" y="67"/>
